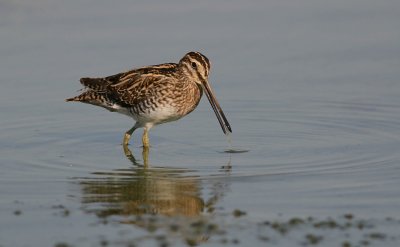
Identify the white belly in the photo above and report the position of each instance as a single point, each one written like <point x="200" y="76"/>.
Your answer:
<point x="159" y="115"/>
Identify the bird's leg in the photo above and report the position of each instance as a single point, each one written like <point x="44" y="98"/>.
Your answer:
<point x="145" y="155"/>
<point x="145" y="138"/>
<point x="128" y="135"/>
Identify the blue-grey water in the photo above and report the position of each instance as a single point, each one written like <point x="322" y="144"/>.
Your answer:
<point x="311" y="89"/>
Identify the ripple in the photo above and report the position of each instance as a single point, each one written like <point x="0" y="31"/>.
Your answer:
<point x="313" y="137"/>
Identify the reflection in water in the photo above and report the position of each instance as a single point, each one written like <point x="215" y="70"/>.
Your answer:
<point x="144" y="190"/>
<point x="160" y="192"/>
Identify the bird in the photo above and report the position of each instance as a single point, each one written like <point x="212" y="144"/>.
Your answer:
<point x="155" y="94"/>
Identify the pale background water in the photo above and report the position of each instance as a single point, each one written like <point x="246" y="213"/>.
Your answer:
<point x="311" y="89"/>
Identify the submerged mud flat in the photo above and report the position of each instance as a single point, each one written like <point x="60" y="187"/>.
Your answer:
<point x="232" y="229"/>
<point x="169" y="211"/>
<point x="296" y="231"/>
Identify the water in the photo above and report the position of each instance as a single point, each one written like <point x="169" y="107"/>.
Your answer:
<point x="310" y="88"/>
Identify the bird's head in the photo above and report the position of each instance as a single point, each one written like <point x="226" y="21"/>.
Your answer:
<point x="196" y="67"/>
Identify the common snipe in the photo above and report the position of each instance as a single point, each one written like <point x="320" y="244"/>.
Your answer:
<point x="154" y="94"/>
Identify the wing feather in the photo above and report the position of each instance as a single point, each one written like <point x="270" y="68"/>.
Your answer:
<point x="129" y="88"/>
<point x="137" y="85"/>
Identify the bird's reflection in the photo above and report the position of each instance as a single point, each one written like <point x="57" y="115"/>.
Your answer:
<point x="145" y="194"/>
<point x="144" y="189"/>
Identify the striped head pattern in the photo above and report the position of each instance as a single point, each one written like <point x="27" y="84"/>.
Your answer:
<point x="196" y="66"/>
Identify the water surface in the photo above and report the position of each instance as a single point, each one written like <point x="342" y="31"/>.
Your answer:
<point x="311" y="90"/>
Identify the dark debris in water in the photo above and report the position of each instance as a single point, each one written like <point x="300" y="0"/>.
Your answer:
<point x="377" y="235"/>
<point x="62" y="244"/>
<point x="238" y="213"/>
<point x="61" y="210"/>
<point x="17" y="212"/>
<point x="346" y="231"/>
<point x="346" y="225"/>
<point x="313" y="239"/>
<point x="236" y="151"/>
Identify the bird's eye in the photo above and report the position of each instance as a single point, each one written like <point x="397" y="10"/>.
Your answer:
<point x="194" y="65"/>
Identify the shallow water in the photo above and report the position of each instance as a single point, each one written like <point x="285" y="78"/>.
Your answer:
<point x="311" y="90"/>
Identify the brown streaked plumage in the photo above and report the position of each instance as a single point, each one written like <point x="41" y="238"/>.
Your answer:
<point x="154" y="94"/>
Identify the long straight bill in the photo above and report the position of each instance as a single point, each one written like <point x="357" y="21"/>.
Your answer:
<point x="217" y="109"/>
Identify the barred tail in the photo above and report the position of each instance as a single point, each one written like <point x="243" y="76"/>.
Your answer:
<point x="90" y="97"/>
<point x="73" y="99"/>
<point x="96" y="90"/>
<point x="95" y="98"/>
<point x="96" y="84"/>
